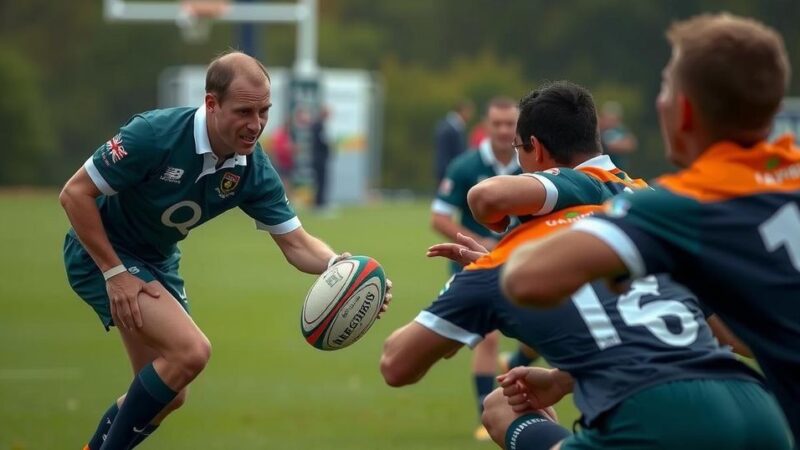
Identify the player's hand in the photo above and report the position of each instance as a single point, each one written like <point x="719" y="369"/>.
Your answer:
<point x="386" y="299"/>
<point x="123" y="295"/>
<point x="340" y="257"/>
<point x="464" y="252"/>
<point x="531" y="388"/>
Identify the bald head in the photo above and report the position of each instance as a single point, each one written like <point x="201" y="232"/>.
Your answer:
<point x="233" y="65"/>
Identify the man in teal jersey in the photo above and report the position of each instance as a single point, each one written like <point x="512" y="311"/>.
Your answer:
<point x="165" y="173"/>
<point x="494" y="156"/>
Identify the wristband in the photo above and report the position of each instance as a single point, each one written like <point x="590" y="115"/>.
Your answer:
<point x="116" y="270"/>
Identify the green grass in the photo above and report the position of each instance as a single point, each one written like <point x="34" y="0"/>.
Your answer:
<point x="264" y="387"/>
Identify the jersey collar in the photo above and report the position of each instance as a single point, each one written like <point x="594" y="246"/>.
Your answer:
<point x="600" y="161"/>
<point x="487" y="156"/>
<point x="203" y="147"/>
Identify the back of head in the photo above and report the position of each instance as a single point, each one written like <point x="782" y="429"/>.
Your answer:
<point x="563" y="117"/>
<point x="734" y="70"/>
<point x="224" y="68"/>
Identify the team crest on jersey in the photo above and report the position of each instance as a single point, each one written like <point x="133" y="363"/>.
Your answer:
<point x="227" y="185"/>
<point x="115" y="148"/>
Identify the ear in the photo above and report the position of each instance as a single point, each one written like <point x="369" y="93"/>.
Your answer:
<point x="686" y="111"/>
<point x="211" y="102"/>
<point x="538" y="150"/>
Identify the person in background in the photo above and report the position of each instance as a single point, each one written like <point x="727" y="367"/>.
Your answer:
<point x="320" y="151"/>
<point x="451" y="139"/>
<point x="618" y="141"/>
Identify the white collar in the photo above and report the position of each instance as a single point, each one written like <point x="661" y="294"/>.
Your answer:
<point x="487" y="155"/>
<point x="600" y="161"/>
<point x="202" y="146"/>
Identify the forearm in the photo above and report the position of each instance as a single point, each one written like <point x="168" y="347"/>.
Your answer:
<point x="305" y="252"/>
<point x="81" y="209"/>
<point x="564" y="380"/>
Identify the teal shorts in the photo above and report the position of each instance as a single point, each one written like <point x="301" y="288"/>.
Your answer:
<point x="690" y="415"/>
<point x="87" y="281"/>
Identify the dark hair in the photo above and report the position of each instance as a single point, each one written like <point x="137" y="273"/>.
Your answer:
<point x="735" y="68"/>
<point x="563" y="118"/>
<point x="222" y="71"/>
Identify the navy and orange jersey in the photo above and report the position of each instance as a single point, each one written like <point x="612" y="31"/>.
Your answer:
<point x="614" y="346"/>
<point x="728" y="227"/>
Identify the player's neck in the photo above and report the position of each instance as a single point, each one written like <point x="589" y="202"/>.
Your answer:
<point x="216" y="145"/>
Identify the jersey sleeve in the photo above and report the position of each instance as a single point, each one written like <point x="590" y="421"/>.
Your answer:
<point x="460" y="312"/>
<point x="652" y="231"/>
<point x="126" y="159"/>
<point x="267" y="202"/>
<point x="567" y="187"/>
<point x="451" y="196"/>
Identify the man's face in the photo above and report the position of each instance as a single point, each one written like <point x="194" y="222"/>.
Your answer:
<point x="501" y="126"/>
<point x="240" y="119"/>
<point x="669" y="113"/>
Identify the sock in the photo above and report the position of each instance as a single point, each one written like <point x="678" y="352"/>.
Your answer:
<point x="534" y="432"/>
<point x="484" y="385"/>
<point x="102" y="428"/>
<point x="519" y="359"/>
<point x="142" y="435"/>
<point x="147" y="396"/>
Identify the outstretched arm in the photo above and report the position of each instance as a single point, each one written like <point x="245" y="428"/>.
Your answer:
<point x="304" y="251"/>
<point x="546" y="272"/>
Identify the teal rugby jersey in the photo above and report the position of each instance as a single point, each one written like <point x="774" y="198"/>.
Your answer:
<point x="466" y="171"/>
<point x="594" y="178"/>
<point x="159" y="180"/>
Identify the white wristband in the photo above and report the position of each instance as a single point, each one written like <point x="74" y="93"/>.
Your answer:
<point x="332" y="260"/>
<point x="116" y="270"/>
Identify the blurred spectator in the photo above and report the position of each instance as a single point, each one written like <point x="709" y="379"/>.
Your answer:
<point x="320" y="150"/>
<point x="283" y="155"/>
<point x="618" y="142"/>
<point x="451" y="139"/>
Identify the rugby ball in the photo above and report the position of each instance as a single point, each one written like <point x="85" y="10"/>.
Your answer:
<point x="343" y="303"/>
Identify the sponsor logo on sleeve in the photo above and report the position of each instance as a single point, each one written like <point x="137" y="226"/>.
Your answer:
<point x="553" y="171"/>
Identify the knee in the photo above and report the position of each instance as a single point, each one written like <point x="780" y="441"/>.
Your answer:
<point x="194" y="356"/>
<point x="496" y="414"/>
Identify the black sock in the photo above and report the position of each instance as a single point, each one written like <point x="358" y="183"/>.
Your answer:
<point x="142" y="435"/>
<point x="147" y="396"/>
<point x="484" y="385"/>
<point x="102" y="428"/>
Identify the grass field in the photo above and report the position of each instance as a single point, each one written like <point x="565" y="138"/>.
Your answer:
<point x="264" y="387"/>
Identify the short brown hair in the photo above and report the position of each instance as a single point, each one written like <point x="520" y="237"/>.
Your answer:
<point x="222" y="70"/>
<point x="501" y="102"/>
<point x="735" y="69"/>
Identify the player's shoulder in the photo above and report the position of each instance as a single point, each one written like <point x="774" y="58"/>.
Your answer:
<point x="167" y="121"/>
<point x="652" y="202"/>
<point x="465" y="165"/>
